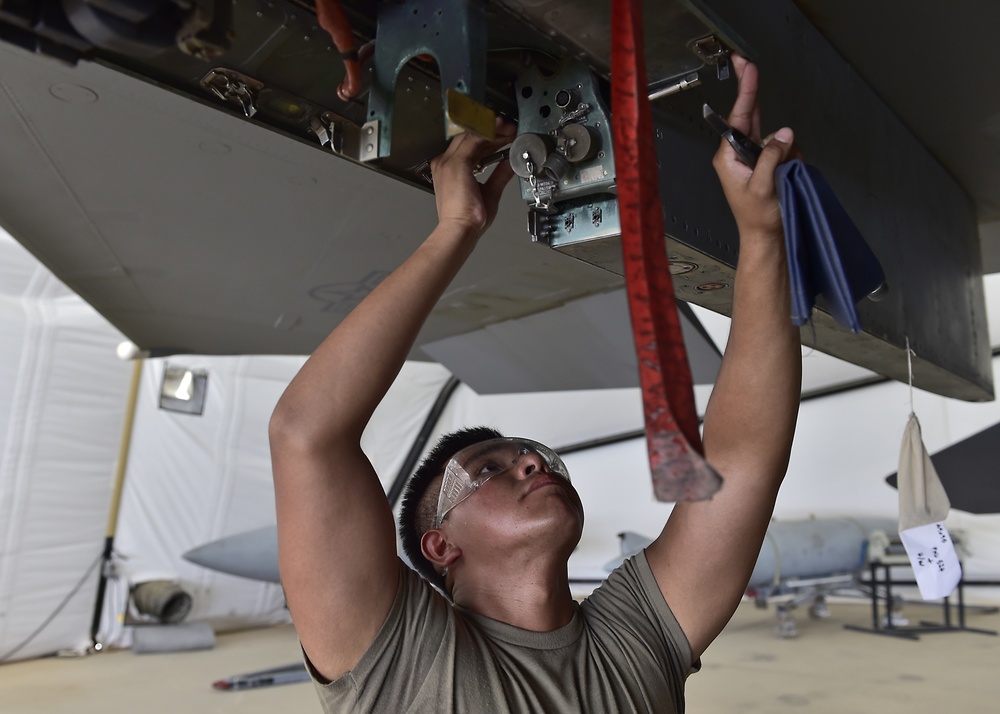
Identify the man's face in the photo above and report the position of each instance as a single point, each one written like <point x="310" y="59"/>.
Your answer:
<point x="510" y="488"/>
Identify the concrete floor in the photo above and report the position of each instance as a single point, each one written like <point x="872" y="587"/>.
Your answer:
<point x="825" y="669"/>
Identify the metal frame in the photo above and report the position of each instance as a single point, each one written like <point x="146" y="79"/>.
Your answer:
<point x="908" y="632"/>
<point x="415" y="27"/>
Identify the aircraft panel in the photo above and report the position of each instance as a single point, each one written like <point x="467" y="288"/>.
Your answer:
<point x="195" y="231"/>
<point x="199" y="230"/>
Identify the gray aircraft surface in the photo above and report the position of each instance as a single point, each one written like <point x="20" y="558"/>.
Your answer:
<point x="806" y="559"/>
<point x="251" y="554"/>
<point x="222" y="178"/>
<point x="802" y="562"/>
<point x="792" y="551"/>
<point x="797" y="551"/>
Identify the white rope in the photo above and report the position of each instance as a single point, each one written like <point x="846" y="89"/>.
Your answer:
<point x="909" y="370"/>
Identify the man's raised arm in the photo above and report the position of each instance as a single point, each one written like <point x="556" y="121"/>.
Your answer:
<point x="704" y="557"/>
<point x="336" y="540"/>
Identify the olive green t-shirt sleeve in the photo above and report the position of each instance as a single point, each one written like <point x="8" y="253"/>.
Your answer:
<point x="629" y="608"/>
<point x="406" y="648"/>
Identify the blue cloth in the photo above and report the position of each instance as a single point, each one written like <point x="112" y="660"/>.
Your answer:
<point x="827" y="255"/>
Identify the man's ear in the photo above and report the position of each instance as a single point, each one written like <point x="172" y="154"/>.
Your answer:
<point x="438" y="549"/>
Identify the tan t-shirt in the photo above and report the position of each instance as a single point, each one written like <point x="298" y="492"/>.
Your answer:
<point x="623" y="651"/>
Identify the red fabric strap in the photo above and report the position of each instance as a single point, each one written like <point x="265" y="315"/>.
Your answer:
<point x="679" y="472"/>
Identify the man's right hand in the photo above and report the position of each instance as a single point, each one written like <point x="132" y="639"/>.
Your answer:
<point x="461" y="199"/>
<point x="752" y="193"/>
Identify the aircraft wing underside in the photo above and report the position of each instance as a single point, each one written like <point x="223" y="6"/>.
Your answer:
<point x="194" y="227"/>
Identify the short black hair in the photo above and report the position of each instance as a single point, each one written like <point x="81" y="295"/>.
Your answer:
<point x="419" y="509"/>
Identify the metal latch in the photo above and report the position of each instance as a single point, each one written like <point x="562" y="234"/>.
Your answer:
<point x="711" y="50"/>
<point x="233" y="87"/>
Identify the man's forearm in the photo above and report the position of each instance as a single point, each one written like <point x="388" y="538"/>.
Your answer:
<point x="753" y="408"/>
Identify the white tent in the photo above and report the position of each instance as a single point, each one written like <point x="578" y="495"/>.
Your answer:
<point x="191" y="479"/>
<point x="62" y="396"/>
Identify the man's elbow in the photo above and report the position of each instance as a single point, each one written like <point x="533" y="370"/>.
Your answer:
<point x="280" y="434"/>
<point x="297" y="432"/>
<point x="288" y="432"/>
<point x="282" y="424"/>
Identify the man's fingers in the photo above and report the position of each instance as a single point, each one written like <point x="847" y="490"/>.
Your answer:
<point x="744" y="108"/>
<point x="779" y="147"/>
<point x="453" y="147"/>
<point x="505" y="133"/>
<point x="506" y="129"/>
<point x="466" y="150"/>
<point x="470" y="148"/>
<point x="793" y="153"/>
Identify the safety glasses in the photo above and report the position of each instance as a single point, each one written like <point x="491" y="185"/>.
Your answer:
<point x="474" y="465"/>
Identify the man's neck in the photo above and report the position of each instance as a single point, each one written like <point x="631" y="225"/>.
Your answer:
<point x="533" y="597"/>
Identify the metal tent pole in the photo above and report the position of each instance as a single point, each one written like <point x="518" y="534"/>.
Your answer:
<point x="116" y="498"/>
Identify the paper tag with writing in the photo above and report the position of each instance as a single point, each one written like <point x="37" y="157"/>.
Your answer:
<point x="935" y="562"/>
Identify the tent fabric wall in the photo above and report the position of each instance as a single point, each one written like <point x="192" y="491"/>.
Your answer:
<point x="845" y="445"/>
<point x="194" y="479"/>
<point x="62" y="395"/>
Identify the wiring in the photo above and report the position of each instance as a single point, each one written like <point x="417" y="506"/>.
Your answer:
<point x="332" y="19"/>
<point x="51" y="617"/>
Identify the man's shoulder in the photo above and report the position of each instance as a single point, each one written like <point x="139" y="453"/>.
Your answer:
<point x="399" y="658"/>
<point x="632" y="573"/>
<point x="630" y="596"/>
<point x="416" y="596"/>
<point x="629" y="609"/>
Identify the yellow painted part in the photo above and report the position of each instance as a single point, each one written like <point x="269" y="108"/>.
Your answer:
<point x="462" y="113"/>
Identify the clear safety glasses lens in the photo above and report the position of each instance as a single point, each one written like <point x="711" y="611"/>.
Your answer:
<point x="474" y="465"/>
